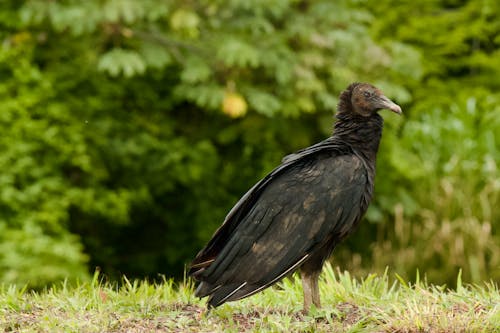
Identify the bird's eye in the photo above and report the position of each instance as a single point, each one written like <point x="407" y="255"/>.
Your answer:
<point x="367" y="94"/>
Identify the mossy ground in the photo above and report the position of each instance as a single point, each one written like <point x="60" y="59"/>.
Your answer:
<point x="372" y="304"/>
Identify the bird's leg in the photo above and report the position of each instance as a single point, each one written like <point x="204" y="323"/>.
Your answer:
<point x="311" y="289"/>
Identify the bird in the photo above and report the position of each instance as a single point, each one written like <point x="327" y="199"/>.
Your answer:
<point x="294" y="217"/>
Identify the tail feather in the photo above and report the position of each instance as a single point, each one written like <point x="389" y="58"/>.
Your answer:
<point x="225" y="293"/>
<point x="228" y="293"/>
<point x="220" y="294"/>
<point x="204" y="289"/>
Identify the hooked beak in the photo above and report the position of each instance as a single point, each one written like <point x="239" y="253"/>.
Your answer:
<point x="386" y="103"/>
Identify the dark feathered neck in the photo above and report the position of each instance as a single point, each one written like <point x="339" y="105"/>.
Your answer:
<point x="345" y="104"/>
<point x="361" y="134"/>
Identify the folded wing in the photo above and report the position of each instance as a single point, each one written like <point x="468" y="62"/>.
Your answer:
<point x="313" y="197"/>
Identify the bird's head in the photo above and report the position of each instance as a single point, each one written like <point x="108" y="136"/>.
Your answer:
<point x="364" y="99"/>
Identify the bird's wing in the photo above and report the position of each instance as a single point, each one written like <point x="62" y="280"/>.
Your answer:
<point x="328" y="144"/>
<point x="313" y="199"/>
<point x="208" y="254"/>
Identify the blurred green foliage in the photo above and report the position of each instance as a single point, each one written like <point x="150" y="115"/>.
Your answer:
<point x="130" y="128"/>
<point x="439" y="174"/>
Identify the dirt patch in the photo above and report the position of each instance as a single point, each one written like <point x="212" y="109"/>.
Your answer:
<point x="174" y="317"/>
<point x="349" y="313"/>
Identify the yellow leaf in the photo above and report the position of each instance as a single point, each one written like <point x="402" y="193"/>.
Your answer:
<point x="234" y="105"/>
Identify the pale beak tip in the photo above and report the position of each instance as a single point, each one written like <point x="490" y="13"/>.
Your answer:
<point x="396" y="109"/>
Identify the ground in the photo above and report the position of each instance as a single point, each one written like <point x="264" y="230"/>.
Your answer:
<point x="372" y="304"/>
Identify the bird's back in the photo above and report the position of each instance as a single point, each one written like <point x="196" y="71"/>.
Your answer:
<point x="315" y="198"/>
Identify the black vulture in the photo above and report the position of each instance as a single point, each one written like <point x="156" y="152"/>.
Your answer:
<point x="295" y="216"/>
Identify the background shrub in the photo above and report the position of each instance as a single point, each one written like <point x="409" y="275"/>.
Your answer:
<point x="130" y="128"/>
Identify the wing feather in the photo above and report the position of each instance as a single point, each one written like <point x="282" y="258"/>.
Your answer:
<point x="218" y="241"/>
<point x="313" y="197"/>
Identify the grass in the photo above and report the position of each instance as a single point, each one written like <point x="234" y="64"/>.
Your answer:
<point x="373" y="304"/>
